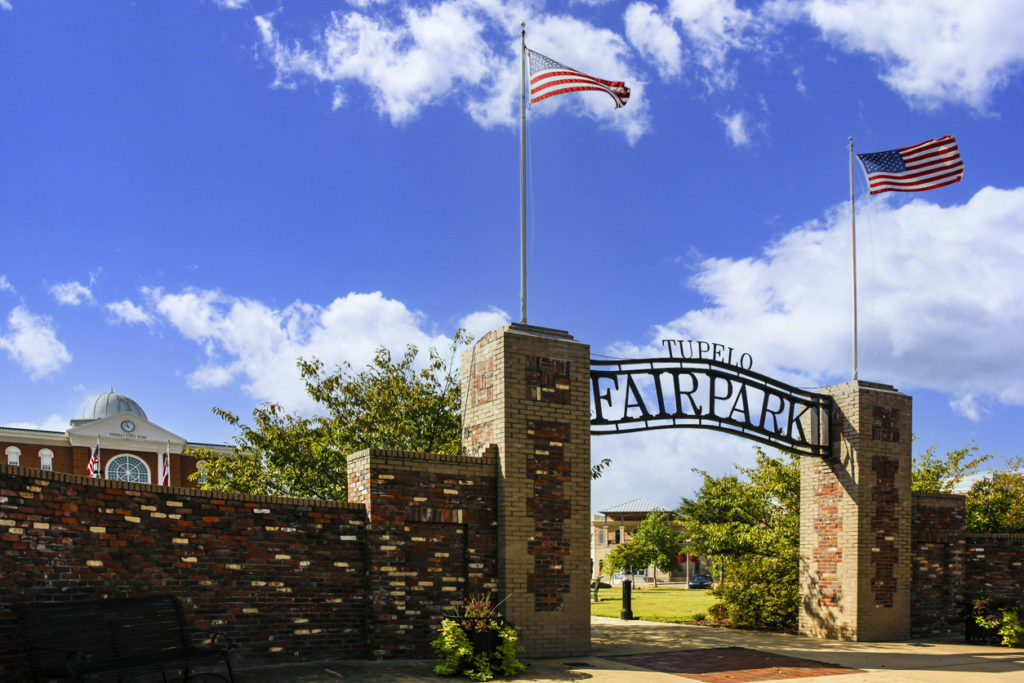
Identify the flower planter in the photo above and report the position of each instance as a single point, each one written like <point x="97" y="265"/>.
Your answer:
<point x="976" y="635"/>
<point x="484" y="642"/>
<point x="479" y="648"/>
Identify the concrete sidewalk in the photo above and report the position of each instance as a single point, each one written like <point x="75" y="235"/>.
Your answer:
<point x="938" y="662"/>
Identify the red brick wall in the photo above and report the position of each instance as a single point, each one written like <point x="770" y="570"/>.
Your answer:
<point x="285" y="578"/>
<point x="432" y="540"/>
<point x="825" y="495"/>
<point x="952" y="567"/>
<point x="994" y="565"/>
<point x="937" y="565"/>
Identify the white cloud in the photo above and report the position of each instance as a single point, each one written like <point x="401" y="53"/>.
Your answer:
<point x="6" y="5"/>
<point x="654" y="38"/>
<point x="72" y="294"/>
<point x="967" y="407"/>
<point x="406" y="65"/>
<point x="941" y="299"/>
<point x="129" y="313"/>
<point x="231" y="4"/>
<point x="932" y="52"/>
<point x="715" y="28"/>
<point x="668" y="457"/>
<point x="427" y="56"/>
<point x="32" y="343"/>
<point x="480" y="323"/>
<point x="736" y="128"/>
<point x="210" y="377"/>
<point x="53" y="423"/>
<point x="246" y="341"/>
<point x="5" y="284"/>
<point x="798" y="76"/>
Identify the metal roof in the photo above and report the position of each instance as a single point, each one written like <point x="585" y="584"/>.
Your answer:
<point x="111" y="404"/>
<point x="30" y="431"/>
<point x="636" y="505"/>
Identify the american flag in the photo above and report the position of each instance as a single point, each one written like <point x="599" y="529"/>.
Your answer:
<point x="549" y="78"/>
<point x="925" y="166"/>
<point x="165" y="474"/>
<point x="93" y="468"/>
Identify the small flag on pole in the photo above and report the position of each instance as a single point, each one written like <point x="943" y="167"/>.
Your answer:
<point x="925" y="166"/>
<point x="165" y="471"/>
<point x="93" y="468"/>
<point x="549" y="78"/>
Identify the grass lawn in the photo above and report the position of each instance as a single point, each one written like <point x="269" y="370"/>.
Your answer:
<point x="655" y="604"/>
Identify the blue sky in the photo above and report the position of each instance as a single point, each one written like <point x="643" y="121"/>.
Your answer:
<point x="193" y="194"/>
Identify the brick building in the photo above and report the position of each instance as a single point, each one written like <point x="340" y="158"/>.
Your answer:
<point x="131" y="447"/>
<point x="617" y="524"/>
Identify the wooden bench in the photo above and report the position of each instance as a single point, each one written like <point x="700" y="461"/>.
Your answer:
<point x="86" y="640"/>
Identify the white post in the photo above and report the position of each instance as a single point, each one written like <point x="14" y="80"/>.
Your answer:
<point x="522" y="174"/>
<point x="853" y="250"/>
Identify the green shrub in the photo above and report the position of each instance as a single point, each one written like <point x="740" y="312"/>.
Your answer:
<point x="761" y="593"/>
<point x="1000" y="615"/>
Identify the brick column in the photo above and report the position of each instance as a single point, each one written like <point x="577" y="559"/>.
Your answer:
<point x="855" y="520"/>
<point x="525" y="389"/>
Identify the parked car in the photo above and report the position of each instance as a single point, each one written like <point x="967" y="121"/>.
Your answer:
<point x="699" y="581"/>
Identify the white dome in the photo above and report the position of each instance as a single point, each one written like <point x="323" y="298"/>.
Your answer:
<point x="111" y="404"/>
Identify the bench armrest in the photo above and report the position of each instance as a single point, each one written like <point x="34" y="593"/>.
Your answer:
<point x="217" y="639"/>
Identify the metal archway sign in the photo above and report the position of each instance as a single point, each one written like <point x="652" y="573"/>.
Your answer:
<point x="708" y="393"/>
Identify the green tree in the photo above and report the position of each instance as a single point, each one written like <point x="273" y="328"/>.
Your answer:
<point x="665" y="542"/>
<point x="280" y="455"/>
<point x="932" y="474"/>
<point x="391" y="405"/>
<point x="749" y="525"/>
<point x="630" y="557"/>
<point x="995" y="503"/>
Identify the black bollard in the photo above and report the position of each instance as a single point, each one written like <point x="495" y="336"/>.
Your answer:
<point x="627" y="600"/>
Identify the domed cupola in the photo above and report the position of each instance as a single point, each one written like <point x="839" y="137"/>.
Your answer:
<point x="111" y="404"/>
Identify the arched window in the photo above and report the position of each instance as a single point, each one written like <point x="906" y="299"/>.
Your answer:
<point x="127" y="467"/>
<point x="13" y="455"/>
<point x="45" y="459"/>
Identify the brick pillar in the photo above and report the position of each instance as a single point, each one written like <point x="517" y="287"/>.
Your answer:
<point x="430" y="541"/>
<point x="525" y="389"/>
<point x="855" y="520"/>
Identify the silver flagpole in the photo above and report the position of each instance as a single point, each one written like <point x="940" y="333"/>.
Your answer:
<point x="522" y="175"/>
<point x="853" y="250"/>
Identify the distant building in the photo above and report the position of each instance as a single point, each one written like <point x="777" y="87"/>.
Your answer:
<point x="618" y="524"/>
<point x="131" y="447"/>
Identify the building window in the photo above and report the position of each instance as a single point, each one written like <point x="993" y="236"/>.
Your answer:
<point x="600" y="537"/>
<point x="45" y="459"/>
<point x="618" y="537"/>
<point x="13" y="455"/>
<point x="126" y="467"/>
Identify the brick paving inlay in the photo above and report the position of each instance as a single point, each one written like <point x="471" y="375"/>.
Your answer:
<point x="731" y="664"/>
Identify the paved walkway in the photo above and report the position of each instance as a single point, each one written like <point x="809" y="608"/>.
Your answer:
<point x="648" y="652"/>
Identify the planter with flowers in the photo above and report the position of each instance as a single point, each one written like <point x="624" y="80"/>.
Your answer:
<point x="476" y="642"/>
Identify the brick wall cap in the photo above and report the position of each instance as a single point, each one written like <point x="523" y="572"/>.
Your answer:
<point x="923" y="496"/>
<point x="48" y="475"/>
<point x="489" y="457"/>
<point x="535" y="331"/>
<point x="981" y="536"/>
<point x="862" y="385"/>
